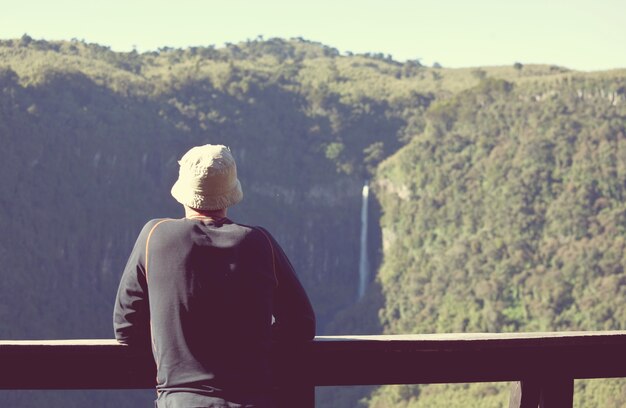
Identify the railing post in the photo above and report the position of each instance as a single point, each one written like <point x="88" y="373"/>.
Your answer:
<point x="524" y="394"/>
<point x="543" y="393"/>
<point x="557" y="393"/>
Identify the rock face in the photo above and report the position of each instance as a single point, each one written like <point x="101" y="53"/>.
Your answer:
<point x="79" y="181"/>
<point x="77" y="192"/>
<point x="89" y="154"/>
<point x="507" y="215"/>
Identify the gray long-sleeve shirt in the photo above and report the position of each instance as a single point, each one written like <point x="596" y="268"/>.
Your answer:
<point x="201" y="294"/>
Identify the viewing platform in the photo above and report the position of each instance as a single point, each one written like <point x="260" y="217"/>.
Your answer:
<point x="544" y="365"/>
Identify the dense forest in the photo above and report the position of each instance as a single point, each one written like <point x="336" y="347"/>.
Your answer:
<point x="507" y="213"/>
<point x="499" y="190"/>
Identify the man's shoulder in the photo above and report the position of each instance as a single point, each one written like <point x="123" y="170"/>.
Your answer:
<point x="156" y="221"/>
<point x="152" y="224"/>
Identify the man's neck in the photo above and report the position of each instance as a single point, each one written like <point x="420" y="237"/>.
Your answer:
<point x="215" y="214"/>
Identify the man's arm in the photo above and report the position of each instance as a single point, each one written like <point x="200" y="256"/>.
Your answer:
<point x="131" y="315"/>
<point x="293" y="313"/>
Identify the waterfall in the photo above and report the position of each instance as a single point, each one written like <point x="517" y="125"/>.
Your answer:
<point x="363" y="258"/>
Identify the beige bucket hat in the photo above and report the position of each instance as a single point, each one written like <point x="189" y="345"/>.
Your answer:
<point x="207" y="179"/>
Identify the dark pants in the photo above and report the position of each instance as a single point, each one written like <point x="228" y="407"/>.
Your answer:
<point x="193" y="400"/>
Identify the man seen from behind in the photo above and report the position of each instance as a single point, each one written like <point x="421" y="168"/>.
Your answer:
<point x="202" y="291"/>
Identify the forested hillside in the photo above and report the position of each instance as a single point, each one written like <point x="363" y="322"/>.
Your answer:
<point x="90" y="140"/>
<point x="507" y="214"/>
<point x="500" y="188"/>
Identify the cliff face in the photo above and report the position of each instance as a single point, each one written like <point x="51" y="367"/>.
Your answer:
<point x="507" y="214"/>
<point x="84" y="166"/>
<point x="90" y="142"/>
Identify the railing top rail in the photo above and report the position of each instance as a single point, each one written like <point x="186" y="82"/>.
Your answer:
<point x="565" y="336"/>
<point x="336" y="360"/>
<point x="475" y="336"/>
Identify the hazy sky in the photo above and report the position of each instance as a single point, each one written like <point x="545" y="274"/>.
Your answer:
<point x="579" y="34"/>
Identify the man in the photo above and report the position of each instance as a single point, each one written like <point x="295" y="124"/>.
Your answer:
<point x="202" y="292"/>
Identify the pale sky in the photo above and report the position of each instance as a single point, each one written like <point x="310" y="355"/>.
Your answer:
<point x="578" y="34"/>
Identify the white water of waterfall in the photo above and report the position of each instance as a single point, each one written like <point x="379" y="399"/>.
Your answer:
<point x="363" y="258"/>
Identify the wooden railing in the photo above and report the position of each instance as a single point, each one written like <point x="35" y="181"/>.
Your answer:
<point x="542" y="365"/>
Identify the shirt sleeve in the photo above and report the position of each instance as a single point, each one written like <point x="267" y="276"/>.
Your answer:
<point x="131" y="315"/>
<point x="293" y="313"/>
